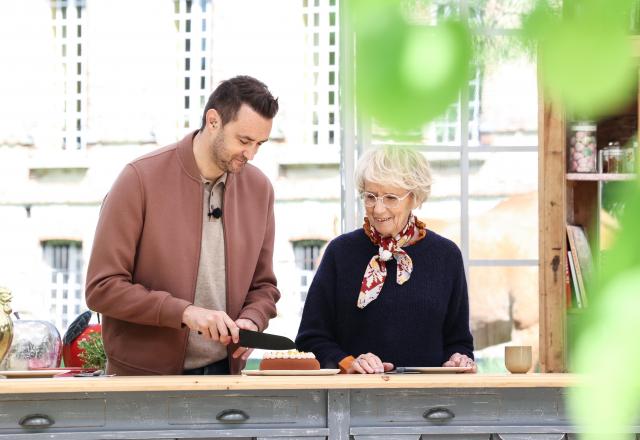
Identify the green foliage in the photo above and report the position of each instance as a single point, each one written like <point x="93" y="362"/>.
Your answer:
<point x="606" y="351"/>
<point x="93" y="355"/>
<point x="606" y="347"/>
<point x="585" y="55"/>
<point x="406" y="74"/>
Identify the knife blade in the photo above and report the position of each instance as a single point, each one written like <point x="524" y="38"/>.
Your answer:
<point x="251" y="339"/>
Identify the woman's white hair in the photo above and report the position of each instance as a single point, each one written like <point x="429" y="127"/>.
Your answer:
<point x="402" y="167"/>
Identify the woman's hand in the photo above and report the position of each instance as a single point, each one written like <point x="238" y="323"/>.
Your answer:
<point x="461" y="360"/>
<point x="368" y="364"/>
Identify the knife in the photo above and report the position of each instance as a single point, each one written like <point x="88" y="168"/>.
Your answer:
<point x="401" y="370"/>
<point x="251" y="339"/>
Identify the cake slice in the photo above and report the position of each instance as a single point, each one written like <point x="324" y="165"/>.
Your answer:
<point x="289" y="360"/>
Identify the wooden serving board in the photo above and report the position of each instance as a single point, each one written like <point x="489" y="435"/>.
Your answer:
<point x="321" y="372"/>
<point x="22" y="374"/>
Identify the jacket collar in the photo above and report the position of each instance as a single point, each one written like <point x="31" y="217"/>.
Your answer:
<point x="188" y="160"/>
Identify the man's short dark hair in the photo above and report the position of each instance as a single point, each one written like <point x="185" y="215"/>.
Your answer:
<point x="232" y="93"/>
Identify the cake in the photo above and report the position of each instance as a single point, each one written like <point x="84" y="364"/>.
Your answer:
<point x="289" y="360"/>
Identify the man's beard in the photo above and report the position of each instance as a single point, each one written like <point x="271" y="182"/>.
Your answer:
<point x="222" y="159"/>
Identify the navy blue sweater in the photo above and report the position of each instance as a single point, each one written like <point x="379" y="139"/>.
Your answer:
<point x="419" y="324"/>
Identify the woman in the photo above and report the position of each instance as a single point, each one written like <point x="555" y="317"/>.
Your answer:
<point x="392" y="293"/>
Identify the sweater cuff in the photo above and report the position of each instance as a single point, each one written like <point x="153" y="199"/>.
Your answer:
<point x="345" y="363"/>
<point x="256" y="317"/>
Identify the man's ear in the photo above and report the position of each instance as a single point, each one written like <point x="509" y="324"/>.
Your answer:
<point x="213" y="118"/>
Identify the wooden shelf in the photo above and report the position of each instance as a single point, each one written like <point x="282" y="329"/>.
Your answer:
<point x="571" y="198"/>
<point x="601" y="177"/>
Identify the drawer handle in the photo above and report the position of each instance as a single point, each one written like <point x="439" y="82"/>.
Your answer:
<point x="232" y="415"/>
<point x="35" y="421"/>
<point x="438" y="415"/>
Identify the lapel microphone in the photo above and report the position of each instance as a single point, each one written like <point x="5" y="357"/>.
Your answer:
<point x="215" y="213"/>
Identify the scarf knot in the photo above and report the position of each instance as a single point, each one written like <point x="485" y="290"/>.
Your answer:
<point x="388" y="248"/>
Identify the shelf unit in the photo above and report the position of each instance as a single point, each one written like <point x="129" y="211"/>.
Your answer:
<point x="600" y="177"/>
<point x="573" y="198"/>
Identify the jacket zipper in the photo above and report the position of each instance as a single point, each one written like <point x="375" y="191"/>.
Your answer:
<point x="195" y="282"/>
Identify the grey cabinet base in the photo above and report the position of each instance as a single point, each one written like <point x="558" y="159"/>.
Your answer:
<point x="343" y="414"/>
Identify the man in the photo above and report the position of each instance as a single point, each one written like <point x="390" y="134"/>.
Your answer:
<point x="182" y="256"/>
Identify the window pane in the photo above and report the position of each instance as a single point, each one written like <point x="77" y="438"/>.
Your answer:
<point x="441" y="212"/>
<point x="497" y="14"/>
<point x="444" y="130"/>
<point x="431" y="12"/>
<point x="503" y="304"/>
<point x="503" y="205"/>
<point x="503" y="96"/>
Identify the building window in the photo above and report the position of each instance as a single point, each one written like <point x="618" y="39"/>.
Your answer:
<point x="445" y="130"/>
<point x="64" y="277"/>
<point x="61" y="22"/>
<point x="307" y="259"/>
<point x="320" y="19"/>
<point x="191" y="13"/>
<point x="307" y="253"/>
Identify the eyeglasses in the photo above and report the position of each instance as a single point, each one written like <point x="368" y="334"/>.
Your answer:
<point x="388" y="200"/>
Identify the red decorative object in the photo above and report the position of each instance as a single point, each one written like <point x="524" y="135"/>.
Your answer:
<point x="71" y="352"/>
<point x="78" y="331"/>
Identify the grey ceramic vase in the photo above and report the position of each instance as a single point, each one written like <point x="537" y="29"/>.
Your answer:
<point x="6" y="325"/>
<point x="36" y="344"/>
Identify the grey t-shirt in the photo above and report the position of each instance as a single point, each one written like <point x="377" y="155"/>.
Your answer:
<point x="211" y="282"/>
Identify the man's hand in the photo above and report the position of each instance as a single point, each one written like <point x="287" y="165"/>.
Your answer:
<point x="245" y="324"/>
<point x="461" y="360"/>
<point x="369" y="363"/>
<point x="212" y="324"/>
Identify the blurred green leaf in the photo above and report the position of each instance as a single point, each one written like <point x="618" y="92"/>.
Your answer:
<point x="607" y="353"/>
<point x="607" y="350"/>
<point x="406" y="74"/>
<point x="585" y="55"/>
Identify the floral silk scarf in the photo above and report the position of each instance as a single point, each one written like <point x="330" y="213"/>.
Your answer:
<point x="388" y="247"/>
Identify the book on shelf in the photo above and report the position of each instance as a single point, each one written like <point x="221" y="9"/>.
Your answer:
<point x="575" y="288"/>
<point x="581" y="259"/>
<point x="568" y="290"/>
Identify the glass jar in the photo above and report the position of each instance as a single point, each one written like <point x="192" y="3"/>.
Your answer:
<point x="630" y="158"/>
<point x="603" y="166"/>
<point x="613" y="158"/>
<point x="582" y="148"/>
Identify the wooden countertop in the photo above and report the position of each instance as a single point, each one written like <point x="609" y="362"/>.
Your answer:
<point x="210" y="383"/>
